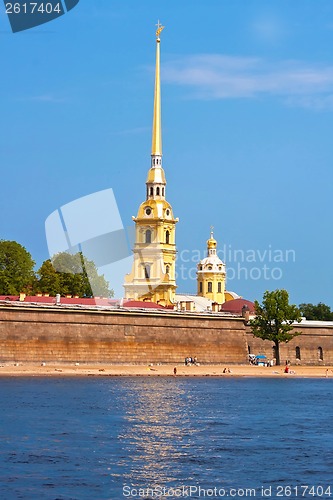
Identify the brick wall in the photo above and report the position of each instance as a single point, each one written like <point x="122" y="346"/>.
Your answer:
<point x="309" y="342"/>
<point x="55" y="334"/>
<point x="34" y="334"/>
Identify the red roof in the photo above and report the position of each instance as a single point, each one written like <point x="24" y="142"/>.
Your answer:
<point x="83" y="301"/>
<point x="143" y="304"/>
<point x="236" y="305"/>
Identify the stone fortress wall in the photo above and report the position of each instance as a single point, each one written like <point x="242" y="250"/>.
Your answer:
<point x="36" y="334"/>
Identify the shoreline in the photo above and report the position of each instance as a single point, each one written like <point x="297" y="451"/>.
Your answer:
<point x="105" y="370"/>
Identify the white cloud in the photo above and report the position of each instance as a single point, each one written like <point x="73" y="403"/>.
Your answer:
<point x="46" y="98"/>
<point x="223" y="77"/>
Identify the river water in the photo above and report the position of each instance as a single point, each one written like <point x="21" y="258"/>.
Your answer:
<point x="140" y="437"/>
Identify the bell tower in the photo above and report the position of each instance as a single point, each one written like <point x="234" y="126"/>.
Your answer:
<point x="153" y="275"/>
<point x="211" y="274"/>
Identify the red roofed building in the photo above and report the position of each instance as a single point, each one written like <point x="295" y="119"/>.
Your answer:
<point x="235" y="306"/>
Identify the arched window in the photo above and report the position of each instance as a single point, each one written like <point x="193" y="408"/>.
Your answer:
<point x="151" y="191"/>
<point x="148" y="236"/>
<point x="200" y="268"/>
<point x="162" y="191"/>
<point x="147" y="271"/>
<point x="200" y="286"/>
<point x="167" y="237"/>
<point x="298" y="353"/>
<point x="210" y="287"/>
<point x="320" y="354"/>
<point x="219" y="287"/>
<point x="157" y="191"/>
<point x="167" y="269"/>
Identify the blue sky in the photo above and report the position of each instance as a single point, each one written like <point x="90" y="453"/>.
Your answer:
<point x="247" y="102"/>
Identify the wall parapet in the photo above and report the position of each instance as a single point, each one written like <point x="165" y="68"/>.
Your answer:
<point x="32" y="333"/>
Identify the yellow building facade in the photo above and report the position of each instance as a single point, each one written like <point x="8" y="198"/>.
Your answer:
<point x="211" y="274"/>
<point x="153" y="275"/>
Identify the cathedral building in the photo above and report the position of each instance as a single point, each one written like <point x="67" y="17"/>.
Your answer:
<point x="153" y="275"/>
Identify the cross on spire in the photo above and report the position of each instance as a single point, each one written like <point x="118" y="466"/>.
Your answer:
<point x="160" y="28"/>
<point x="211" y="231"/>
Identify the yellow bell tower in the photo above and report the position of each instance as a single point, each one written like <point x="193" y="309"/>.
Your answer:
<point x="153" y="275"/>
<point x="211" y="274"/>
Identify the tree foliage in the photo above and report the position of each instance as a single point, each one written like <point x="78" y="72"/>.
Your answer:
<point x="49" y="279"/>
<point x="16" y="268"/>
<point x="69" y="274"/>
<point x="274" y="319"/>
<point x="319" y="312"/>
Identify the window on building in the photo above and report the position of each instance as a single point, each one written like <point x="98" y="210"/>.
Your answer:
<point x="210" y="287"/>
<point x="320" y="354"/>
<point x="151" y="191"/>
<point x="219" y="287"/>
<point x="148" y="236"/>
<point x="157" y="191"/>
<point x="167" y="237"/>
<point x="298" y="353"/>
<point x="163" y="193"/>
<point x="167" y="269"/>
<point x="210" y="268"/>
<point x="147" y="271"/>
<point x="200" y="287"/>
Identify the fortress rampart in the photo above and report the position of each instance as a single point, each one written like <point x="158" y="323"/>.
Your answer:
<point x="313" y="347"/>
<point x="34" y="333"/>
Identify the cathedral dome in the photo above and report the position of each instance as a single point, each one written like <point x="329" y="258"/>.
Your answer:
<point x="211" y="243"/>
<point x="211" y="263"/>
<point x="155" y="209"/>
<point x="156" y="175"/>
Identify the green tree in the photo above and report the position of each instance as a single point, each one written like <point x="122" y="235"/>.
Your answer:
<point x="274" y="319"/>
<point x="319" y="312"/>
<point x="69" y="274"/>
<point x="49" y="279"/>
<point x="16" y="269"/>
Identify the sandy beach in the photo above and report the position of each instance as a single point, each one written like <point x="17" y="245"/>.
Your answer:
<point x="104" y="370"/>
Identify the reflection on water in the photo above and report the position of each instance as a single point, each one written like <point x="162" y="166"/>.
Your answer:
<point x="159" y="433"/>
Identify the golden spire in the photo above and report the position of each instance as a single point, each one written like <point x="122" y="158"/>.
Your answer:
<point x="156" y="148"/>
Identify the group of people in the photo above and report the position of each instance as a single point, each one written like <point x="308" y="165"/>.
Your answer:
<point x="263" y="361"/>
<point x="191" y="361"/>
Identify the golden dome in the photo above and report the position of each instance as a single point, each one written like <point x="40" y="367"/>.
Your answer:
<point x="156" y="175"/>
<point x="155" y="209"/>
<point x="211" y="243"/>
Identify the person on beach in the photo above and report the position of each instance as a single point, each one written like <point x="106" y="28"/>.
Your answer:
<point x="175" y="371"/>
<point x="286" y="370"/>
